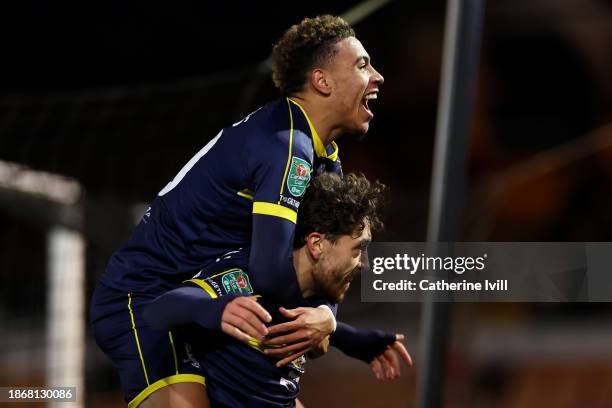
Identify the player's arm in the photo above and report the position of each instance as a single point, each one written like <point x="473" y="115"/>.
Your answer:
<point x="360" y="344"/>
<point x="382" y="351"/>
<point x="308" y="326"/>
<point x="280" y="171"/>
<point x="306" y="332"/>
<point x="238" y="316"/>
<point x="375" y="347"/>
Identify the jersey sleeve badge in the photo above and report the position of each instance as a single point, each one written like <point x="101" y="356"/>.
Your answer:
<point x="298" y="177"/>
<point x="237" y="282"/>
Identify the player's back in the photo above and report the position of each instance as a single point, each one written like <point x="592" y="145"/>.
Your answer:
<point x="206" y="209"/>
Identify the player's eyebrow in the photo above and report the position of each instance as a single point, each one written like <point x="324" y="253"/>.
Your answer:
<point x="363" y="58"/>
<point x="363" y="243"/>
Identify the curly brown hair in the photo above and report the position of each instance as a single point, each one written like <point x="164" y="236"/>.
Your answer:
<point x="336" y="206"/>
<point x="303" y="46"/>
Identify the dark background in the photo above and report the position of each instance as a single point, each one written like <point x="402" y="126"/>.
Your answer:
<point x="119" y="95"/>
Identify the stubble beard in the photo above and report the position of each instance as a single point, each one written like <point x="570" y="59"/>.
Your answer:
<point x="324" y="285"/>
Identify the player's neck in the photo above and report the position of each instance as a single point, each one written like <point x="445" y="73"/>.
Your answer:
<point x="321" y="117"/>
<point x="304" y="266"/>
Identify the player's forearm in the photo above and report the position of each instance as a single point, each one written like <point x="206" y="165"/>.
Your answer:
<point x="183" y="306"/>
<point x="271" y="263"/>
<point x="359" y="343"/>
<point x="271" y="260"/>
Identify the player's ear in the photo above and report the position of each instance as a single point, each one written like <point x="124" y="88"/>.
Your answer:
<point x="314" y="245"/>
<point x="321" y="81"/>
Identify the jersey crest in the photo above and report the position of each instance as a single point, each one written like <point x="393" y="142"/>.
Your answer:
<point x="237" y="282"/>
<point x="299" y="176"/>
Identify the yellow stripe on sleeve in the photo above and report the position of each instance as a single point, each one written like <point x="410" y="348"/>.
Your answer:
<point x="205" y="286"/>
<point x="275" y="210"/>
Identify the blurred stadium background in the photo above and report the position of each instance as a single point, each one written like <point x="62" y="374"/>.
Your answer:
<point x="101" y="104"/>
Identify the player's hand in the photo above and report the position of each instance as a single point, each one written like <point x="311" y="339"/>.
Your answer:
<point x="302" y="334"/>
<point x="387" y="364"/>
<point x="243" y="318"/>
<point x="320" y="349"/>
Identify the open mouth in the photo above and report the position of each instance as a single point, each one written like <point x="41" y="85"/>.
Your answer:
<point x="346" y="285"/>
<point x="367" y="100"/>
<point x="349" y="278"/>
<point x="346" y="282"/>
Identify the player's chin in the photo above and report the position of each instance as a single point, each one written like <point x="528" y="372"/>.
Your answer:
<point x="339" y="298"/>
<point x="362" y="124"/>
<point x="359" y="129"/>
<point x="365" y="126"/>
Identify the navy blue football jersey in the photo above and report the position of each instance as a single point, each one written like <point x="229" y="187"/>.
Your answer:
<point x="243" y="189"/>
<point x="237" y="374"/>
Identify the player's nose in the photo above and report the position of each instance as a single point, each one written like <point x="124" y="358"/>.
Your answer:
<point x="377" y="78"/>
<point x="358" y="270"/>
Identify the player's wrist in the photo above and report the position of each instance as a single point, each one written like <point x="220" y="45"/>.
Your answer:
<point x="214" y="308"/>
<point x="361" y="344"/>
<point x="334" y="324"/>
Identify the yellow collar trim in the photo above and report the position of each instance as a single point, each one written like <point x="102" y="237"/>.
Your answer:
<point x="316" y="140"/>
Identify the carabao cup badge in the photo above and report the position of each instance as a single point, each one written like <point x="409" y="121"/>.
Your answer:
<point x="237" y="282"/>
<point x="299" y="176"/>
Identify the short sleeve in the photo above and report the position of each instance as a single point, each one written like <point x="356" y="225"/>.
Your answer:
<point x="281" y="171"/>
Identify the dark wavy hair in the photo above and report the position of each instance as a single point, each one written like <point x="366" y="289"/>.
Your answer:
<point x="303" y="46"/>
<point x="336" y="206"/>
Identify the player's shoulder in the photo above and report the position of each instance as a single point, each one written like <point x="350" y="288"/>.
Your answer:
<point x="225" y="275"/>
<point x="273" y="129"/>
<point x="263" y="121"/>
